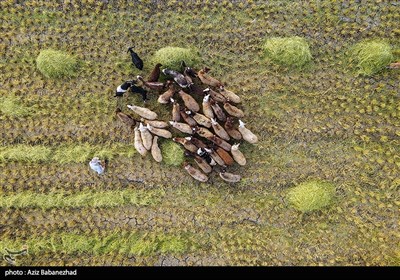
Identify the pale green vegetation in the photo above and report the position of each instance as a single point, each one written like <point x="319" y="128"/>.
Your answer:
<point x="81" y="199"/>
<point x="310" y="196"/>
<point x="172" y="57"/>
<point x="63" y="154"/>
<point x="74" y="154"/>
<point x="370" y="57"/>
<point x="56" y="64"/>
<point x="396" y="54"/>
<point x="172" y="153"/>
<point x="126" y="243"/>
<point x="10" y="106"/>
<point x="287" y="51"/>
<point x="25" y="153"/>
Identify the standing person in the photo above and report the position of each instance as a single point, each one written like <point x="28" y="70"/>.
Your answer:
<point x="97" y="165"/>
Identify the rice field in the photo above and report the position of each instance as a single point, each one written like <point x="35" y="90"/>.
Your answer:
<point x="335" y="119"/>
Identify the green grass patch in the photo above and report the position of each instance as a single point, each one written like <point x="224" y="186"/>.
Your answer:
<point x="287" y="51"/>
<point x="11" y="106"/>
<point x="396" y="54"/>
<point x="312" y="195"/>
<point x="173" y="244"/>
<point x="56" y="64"/>
<point x="137" y="243"/>
<point x="115" y="150"/>
<point x="25" y="153"/>
<point x="171" y="57"/>
<point x="82" y="199"/>
<point x="370" y="57"/>
<point x="63" y="154"/>
<point x="85" y="152"/>
<point x="172" y="153"/>
<point x="79" y="154"/>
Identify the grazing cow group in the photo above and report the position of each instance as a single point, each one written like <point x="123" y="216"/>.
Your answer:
<point x="209" y="126"/>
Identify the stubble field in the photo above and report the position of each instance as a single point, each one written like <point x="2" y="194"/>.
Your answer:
<point x="323" y="122"/>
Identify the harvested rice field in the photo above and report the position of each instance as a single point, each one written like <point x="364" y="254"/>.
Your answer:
<point x="319" y="188"/>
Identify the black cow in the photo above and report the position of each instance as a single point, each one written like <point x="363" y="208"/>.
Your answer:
<point x="136" y="60"/>
<point x="204" y="153"/>
<point x="130" y="85"/>
<point x="121" y="89"/>
<point x="140" y="90"/>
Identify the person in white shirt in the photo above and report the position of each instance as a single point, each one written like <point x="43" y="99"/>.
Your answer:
<point x="97" y="165"/>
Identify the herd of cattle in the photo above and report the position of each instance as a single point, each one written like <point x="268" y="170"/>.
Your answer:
<point x="206" y="129"/>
